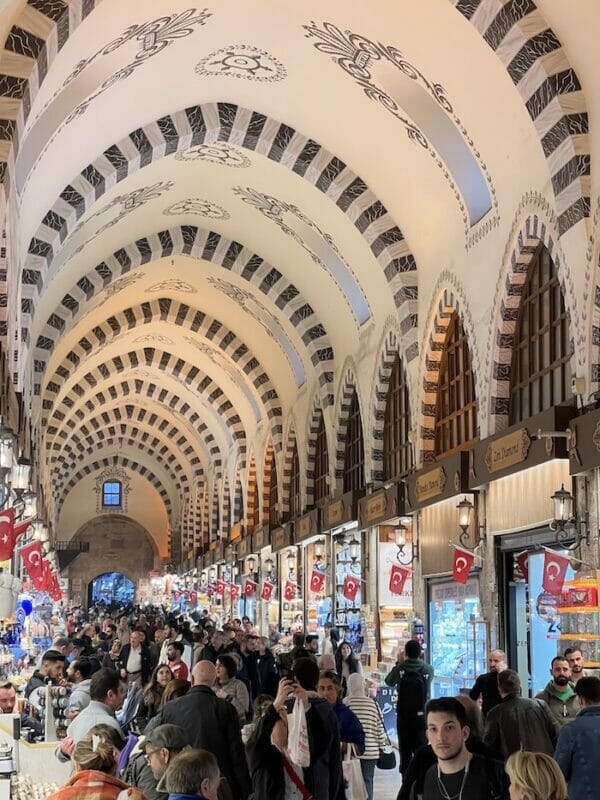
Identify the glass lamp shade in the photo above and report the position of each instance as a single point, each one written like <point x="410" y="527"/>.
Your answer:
<point x="251" y="564"/>
<point x="6" y="448"/>
<point x="465" y="508"/>
<point x="212" y="573"/>
<point x="269" y="564"/>
<point x="30" y="500"/>
<point x="291" y="560"/>
<point x="354" y="548"/>
<point x="563" y="505"/>
<point x="400" y="535"/>
<point x="319" y="549"/>
<point x="19" y="476"/>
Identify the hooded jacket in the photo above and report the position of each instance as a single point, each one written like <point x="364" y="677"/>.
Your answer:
<point x="563" y="712"/>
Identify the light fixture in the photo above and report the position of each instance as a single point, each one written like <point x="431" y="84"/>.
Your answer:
<point x="19" y="475"/>
<point x="570" y="531"/>
<point x="319" y="550"/>
<point x="465" y="511"/>
<point x="269" y="564"/>
<point x="406" y="554"/>
<point x="7" y="446"/>
<point x="203" y="576"/>
<point x="354" y="548"/>
<point x="290" y="560"/>
<point x="29" y="504"/>
<point x="212" y="573"/>
<point x="251" y="564"/>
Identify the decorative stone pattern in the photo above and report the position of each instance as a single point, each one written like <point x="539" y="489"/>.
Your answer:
<point x="288" y="457"/>
<point x="221" y="153"/>
<point x="251" y="494"/>
<point x="311" y="449"/>
<point x="197" y="207"/>
<point x="269" y="475"/>
<point x="203" y="326"/>
<point x="539" y="67"/>
<point x="113" y="474"/>
<point x="344" y="401"/>
<point x="242" y="61"/>
<point x="278" y="142"/>
<point x="207" y="246"/>
<point x="226" y="505"/>
<point x="238" y="501"/>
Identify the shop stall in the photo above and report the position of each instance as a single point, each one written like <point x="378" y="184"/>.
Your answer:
<point x="316" y="561"/>
<point x="289" y="578"/>
<point x="267" y="600"/>
<point x="248" y="569"/>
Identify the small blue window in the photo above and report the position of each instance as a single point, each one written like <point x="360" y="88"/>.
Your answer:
<point x="112" y="493"/>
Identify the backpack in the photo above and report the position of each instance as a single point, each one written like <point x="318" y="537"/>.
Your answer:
<point x="412" y="694"/>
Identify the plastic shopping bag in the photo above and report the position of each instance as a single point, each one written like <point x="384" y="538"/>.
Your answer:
<point x="298" y="748"/>
<point x="354" y="784"/>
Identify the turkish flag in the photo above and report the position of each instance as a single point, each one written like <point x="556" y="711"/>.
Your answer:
<point x="522" y="560"/>
<point x="267" y="590"/>
<point x="235" y="591"/>
<point x="249" y="587"/>
<point x="463" y="561"/>
<point x="289" y="591"/>
<point x="398" y="576"/>
<point x="351" y="587"/>
<point x="32" y="559"/>
<point x="221" y="586"/>
<point x="21" y="528"/>
<point x="55" y="590"/>
<point x="7" y="534"/>
<point x="317" y="581"/>
<point x="555" y="569"/>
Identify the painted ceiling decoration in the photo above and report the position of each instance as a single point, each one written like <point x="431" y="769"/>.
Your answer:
<point x="194" y="271"/>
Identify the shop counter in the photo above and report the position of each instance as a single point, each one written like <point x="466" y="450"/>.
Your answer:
<point x="36" y="760"/>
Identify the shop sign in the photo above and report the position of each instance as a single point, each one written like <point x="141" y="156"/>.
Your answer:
<point x="245" y="547"/>
<point x="381" y="505"/>
<point x="261" y="538"/>
<point x="429" y="485"/>
<point x="235" y="532"/>
<point x="307" y="526"/>
<point x="508" y="450"/>
<point x="280" y="538"/>
<point x="334" y="514"/>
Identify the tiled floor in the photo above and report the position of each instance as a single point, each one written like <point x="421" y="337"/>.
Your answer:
<point x="387" y="783"/>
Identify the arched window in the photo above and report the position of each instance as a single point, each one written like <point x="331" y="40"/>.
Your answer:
<point x="397" y="459"/>
<point x="295" y="493"/>
<point x="541" y="362"/>
<point x="456" y="409"/>
<point x="354" y="459"/>
<point x="112" y="494"/>
<point x="321" y="486"/>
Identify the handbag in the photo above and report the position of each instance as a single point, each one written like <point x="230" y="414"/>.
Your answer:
<point x="387" y="757"/>
<point x="304" y="791"/>
<point x="298" y="747"/>
<point x="354" y="784"/>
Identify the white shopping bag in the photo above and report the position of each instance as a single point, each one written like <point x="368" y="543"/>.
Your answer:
<point x="298" y="748"/>
<point x="354" y="784"/>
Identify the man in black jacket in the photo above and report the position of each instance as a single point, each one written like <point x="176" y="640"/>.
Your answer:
<point x="211" y="724"/>
<point x="486" y="685"/>
<point x="518" y="723"/>
<point x="135" y="659"/>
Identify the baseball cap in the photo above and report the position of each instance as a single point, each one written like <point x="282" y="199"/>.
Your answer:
<point x="53" y="655"/>
<point x="173" y="737"/>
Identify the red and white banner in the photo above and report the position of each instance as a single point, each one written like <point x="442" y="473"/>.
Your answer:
<point x="522" y="560"/>
<point x="398" y="576"/>
<point x="7" y="534"/>
<point x="555" y="569"/>
<point x="351" y="587"/>
<point x="250" y="587"/>
<point x="267" y="590"/>
<point x="32" y="560"/>
<point x="234" y="590"/>
<point x="317" y="581"/>
<point x="221" y="587"/>
<point x="463" y="561"/>
<point x="289" y="591"/>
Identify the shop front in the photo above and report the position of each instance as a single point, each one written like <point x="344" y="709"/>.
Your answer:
<point x="316" y="566"/>
<point x="267" y="599"/>
<point x="393" y="546"/>
<point x="519" y="471"/>
<point x="289" y="574"/>
<point x="248" y="568"/>
<point x="340" y="516"/>
<point x="457" y="633"/>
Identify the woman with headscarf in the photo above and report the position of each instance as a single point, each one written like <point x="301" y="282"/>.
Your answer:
<point x="329" y="688"/>
<point x="368" y="714"/>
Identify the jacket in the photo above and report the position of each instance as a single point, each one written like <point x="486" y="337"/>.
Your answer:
<point x="238" y="696"/>
<point x="213" y="725"/>
<point x="146" y="661"/>
<point x="267" y="673"/>
<point x="518" y="723"/>
<point x="577" y="754"/>
<point x="394" y="677"/>
<point x="562" y="712"/>
<point x="138" y="773"/>
<point x="351" y="730"/>
<point x="89" y="784"/>
<point x="80" y="695"/>
<point x="36" y="680"/>
<point x="264" y="760"/>
<point x="96" y="713"/>
<point x="486" y="687"/>
<point x="324" y="777"/>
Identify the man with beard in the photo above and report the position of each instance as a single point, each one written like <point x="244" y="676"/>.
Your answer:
<point x="575" y="658"/>
<point x="458" y="773"/>
<point x="486" y="685"/>
<point x="559" y="694"/>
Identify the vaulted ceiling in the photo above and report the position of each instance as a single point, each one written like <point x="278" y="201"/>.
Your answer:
<point x="210" y="210"/>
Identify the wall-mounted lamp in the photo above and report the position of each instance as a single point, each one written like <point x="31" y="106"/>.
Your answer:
<point x="290" y="561"/>
<point x="354" y="549"/>
<point x="203" y="576"/>
<point x="212" y="574"/>
<point x="251" y="564"/>
<point x="404" y="555"/>
<point x="567" y="526"/>
<point x="319" y="550"/>
<point x="465" y="513"/>
<point x="269" y="564"/>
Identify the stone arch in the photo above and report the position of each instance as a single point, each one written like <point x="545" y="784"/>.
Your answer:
<point x="347" y="386"/>
<point x="226" y="514"/>
<point x="252" y="494"/>
<point x="448" y="303"/>
<point x="238" y="499"/>
<point x="215" y="516"/>
<point x="166" y="310"/>
<point x="288" y="456"/>
<point x="533" y="231"/>
<point x="269" y="471"/>
<point x="539" y="67"/>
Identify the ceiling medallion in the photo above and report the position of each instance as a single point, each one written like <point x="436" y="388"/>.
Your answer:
<point x="218" y="153"/>
<point x="152" y="338"/>
<point x="242" y="61"/>
<point x="198" y="207"/>
<point x="120" y="284"/>
<point x="173" y="285"/>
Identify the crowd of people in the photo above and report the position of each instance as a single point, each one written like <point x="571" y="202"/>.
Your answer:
<point x="164" y="707"/>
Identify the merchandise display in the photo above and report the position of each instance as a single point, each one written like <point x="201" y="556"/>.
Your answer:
<point x="22" y="787"/>
<point x="348" y="594"/>
<point x="580" y="617"/>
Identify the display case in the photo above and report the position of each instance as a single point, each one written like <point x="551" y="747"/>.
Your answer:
<point x="348" y="589"/>
<point x="580" y="616"/>
<point x="395" y="610"/>
<point x="292" y="604"/>
<point x="319" y="606"/>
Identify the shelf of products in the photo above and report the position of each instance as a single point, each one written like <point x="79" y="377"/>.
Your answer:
<point x="347" y="618"/>
<point x="580" y="617"/>
<point x="395" y="625"/>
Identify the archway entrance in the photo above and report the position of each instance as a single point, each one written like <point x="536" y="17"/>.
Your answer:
<point x="111" y="589"/>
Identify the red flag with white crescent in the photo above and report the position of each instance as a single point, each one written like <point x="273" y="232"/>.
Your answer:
<point x="289" y="591"/>
<point x="555" y="570"/>
<point x="234" y="590"/>
<point x="317" y="581"/>
<point x="523" y="562"/>
<point x="21" y="528"/>
<point x="463" y="561"/>
<point x="7" y="534"/>
<point x="398" y="576"/>
<point x="351" y="587"/>
<point x="267" y="590"/>
<point x="221" y="587"/>
<point x="250" y="587"/>
<point x="32" y="559"/>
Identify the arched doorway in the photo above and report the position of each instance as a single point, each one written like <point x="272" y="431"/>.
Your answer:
<point x="111" y="588"/>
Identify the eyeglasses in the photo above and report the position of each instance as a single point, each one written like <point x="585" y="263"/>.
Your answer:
<point x="151" y="753"/>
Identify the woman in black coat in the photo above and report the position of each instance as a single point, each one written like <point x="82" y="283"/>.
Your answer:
<point x="267" y="670"/>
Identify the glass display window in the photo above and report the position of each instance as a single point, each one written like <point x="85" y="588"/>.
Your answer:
<point x="268" y="610"/>
<point x="290" y="592"/>
<point x="348" y="588"/>
<point x="317" y="584"/>
<point x="453" y="608"/>
<point x="395" y="610"/>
